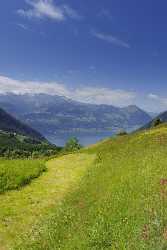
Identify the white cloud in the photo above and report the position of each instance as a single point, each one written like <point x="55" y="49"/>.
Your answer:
<point x="161" y="100"/>
<point x="71" y="12"/>
<point x="95" y="95"/>
<point x="111" y="39"/>
<point x="153" y="96"/>
<point x="22" y="26"/>
<point x="104" y="96"/>
<point x="30" y="87"/>
<point x="83" y="94"/>
<point x="47" y="9"/>
<point x="152" y="102"/>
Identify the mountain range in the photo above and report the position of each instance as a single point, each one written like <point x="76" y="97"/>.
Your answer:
<point x="50" y="114"/>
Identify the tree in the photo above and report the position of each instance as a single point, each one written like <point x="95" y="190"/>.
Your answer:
<point x="156" y="122"/>
<point x="122" y="133"/>
<point x="72" y="144"/>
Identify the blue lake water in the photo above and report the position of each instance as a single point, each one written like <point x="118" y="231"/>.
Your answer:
<point x="85" y="138"/>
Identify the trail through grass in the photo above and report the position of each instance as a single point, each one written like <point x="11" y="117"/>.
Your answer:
<point x="21" y="210"/>
<point x="120" y="203"/>
<point x="112" y="196"/>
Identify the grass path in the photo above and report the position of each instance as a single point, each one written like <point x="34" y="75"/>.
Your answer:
<point x="21" y="210"/>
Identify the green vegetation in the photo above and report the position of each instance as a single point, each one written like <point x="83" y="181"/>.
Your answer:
<point x="122" y="133"/>
<point x="72" y="145"/>
<point x="17" y="173"/>
<point x="21" y="211"/>
<point x="17" y="140"/>
<point x="109" y="196"/>
<point x="156" y="122"/>
<point x="14" y="145"/>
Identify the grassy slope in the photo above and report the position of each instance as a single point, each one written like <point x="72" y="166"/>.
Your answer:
<point x="17" y="173"/>
<point x="118" y="203"/>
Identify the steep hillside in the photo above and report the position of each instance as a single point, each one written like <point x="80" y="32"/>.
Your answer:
<point x="10" y="124"/>
<point x="14" y="145"/>
<point x="18" y="140"/>
<point x="109" y="196"/>
<point x="49" y="114"/>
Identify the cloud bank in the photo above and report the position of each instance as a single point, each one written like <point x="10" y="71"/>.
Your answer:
<point x="94" y="95"/>
<point x="161" y="101"/>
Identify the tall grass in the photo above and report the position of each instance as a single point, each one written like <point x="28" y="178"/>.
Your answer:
<point x="17" y="173"/>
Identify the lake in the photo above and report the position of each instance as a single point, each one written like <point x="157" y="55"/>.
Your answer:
<point x="85" y="138"/>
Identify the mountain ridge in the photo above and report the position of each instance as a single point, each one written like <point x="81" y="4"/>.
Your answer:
<point x="51" y="113"/>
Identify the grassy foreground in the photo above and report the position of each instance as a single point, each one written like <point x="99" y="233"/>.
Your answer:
<point x="112" y="196"/>
<point x="22" y="209"/>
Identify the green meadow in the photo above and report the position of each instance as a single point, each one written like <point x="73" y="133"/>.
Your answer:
<point x="112" y="195"/>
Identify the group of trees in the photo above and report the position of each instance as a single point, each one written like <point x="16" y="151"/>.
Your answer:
<point x="121" y="133"/>
<point x="12" y="148"/>
<point x="17" y="146"/>
<point x="9" y="152"/>
<point x="72" y="145"/>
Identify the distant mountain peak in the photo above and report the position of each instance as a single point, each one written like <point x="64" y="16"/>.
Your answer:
<point x="132" y="108"/>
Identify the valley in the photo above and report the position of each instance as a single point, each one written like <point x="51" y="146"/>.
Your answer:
<point x="83" y="125"/>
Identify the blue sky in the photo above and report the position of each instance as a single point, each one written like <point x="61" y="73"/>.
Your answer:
<point x="110" y="51"/>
